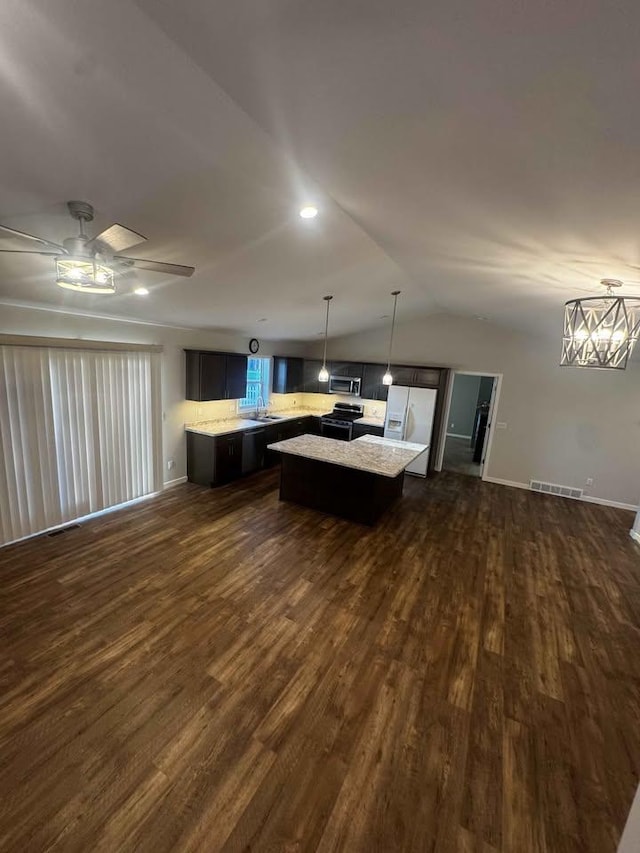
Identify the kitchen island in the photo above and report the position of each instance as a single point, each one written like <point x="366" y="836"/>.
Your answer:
<point x="357" y="480"/>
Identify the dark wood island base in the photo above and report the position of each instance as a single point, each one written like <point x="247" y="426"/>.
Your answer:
<point x="349" y="493"/>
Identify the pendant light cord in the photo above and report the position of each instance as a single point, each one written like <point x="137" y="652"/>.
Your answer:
<point x="395" y="295"/>
<point x="326" y="331"/>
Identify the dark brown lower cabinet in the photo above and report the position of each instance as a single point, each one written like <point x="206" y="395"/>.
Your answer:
<point x="282" y="431"/>
<point x="213" y="460"/>
<point x="363" y="429"/>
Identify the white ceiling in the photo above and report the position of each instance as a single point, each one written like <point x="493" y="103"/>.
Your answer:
<point x="482" y="158"/>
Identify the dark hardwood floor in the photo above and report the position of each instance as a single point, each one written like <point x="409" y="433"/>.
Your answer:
<point x="215" y="670"/>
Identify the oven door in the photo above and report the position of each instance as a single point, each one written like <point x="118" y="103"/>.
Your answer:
<point x="333" y="430"/>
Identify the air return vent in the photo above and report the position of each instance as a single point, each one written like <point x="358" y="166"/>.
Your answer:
<point x="554" y="489"/>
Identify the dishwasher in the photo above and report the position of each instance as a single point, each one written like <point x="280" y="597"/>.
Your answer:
<point x="253" y="449"/>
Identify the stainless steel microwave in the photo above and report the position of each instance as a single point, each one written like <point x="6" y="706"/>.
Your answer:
<point x="349" y="385"/>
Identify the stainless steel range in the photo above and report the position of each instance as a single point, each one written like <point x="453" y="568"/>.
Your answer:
<point x="339" y="422"/>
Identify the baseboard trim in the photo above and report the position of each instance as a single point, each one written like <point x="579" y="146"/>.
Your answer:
<point x="82" y="518"/>
<point x="511" y="483"/>
<point x="635" y="535"/>
<point x="585" y="498"/>
<point x="171" y="483"/>
<point x="617" y="504"/>
<point x="457" y="435"/>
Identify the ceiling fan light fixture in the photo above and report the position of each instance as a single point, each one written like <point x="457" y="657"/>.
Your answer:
<point x="84" y="275"/>
<point x="600" y="331"/>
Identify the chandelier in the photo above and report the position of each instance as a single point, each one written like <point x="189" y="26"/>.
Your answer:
<point x="601" y="331"/>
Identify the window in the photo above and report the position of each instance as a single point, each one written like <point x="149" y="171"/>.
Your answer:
<point x="257" y="383"/>
<point x="80" y="431"/>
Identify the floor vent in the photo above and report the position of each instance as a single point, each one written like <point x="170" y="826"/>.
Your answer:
<point x="554" y="489"/>
<point x="61" y="530"/>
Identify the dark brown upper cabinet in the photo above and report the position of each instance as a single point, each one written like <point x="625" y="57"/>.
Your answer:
<point x="236" y="377"/>
<point x="215" y="375"/>
<point x="416" y="377"/>
<point x="288" y="375"/>
<point x="352" y="369"/>
<point x="310" y="384"/>
<point x="372" y="387"/>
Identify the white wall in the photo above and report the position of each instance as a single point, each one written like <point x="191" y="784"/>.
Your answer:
<point x="564" y="425"/>
<point x="177" y="411"/>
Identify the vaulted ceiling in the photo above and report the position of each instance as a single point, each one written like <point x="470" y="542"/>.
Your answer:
<point x="480" y="157"/>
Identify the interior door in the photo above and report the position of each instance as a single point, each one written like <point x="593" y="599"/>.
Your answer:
<point x="485" y="444"/>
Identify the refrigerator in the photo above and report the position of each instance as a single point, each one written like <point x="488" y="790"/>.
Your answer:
<point x="409" y="417"/>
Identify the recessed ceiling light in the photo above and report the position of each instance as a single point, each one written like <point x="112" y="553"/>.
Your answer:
<point x="308" y="212"/>
<point x="262" y="320"/>
<point x="141" y="291"/>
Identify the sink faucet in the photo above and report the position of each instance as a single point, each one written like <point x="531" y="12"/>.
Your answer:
<point x="259" y="403"/>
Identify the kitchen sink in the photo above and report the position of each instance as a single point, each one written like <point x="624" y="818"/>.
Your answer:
<point x="266" y="418"/>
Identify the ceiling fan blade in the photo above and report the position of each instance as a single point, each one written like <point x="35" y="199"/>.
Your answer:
<point x="30" y="252"/>
<point x="117" y="238"/>
<point x="158" y="266"/>
<point x="24" y="236"/>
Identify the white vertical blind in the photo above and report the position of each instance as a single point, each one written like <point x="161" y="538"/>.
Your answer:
<point x="80" y="431"/>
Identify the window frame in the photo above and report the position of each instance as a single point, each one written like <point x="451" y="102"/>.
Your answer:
<point x="248" y="403"/>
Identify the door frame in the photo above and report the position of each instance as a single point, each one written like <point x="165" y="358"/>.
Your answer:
<point x="493" y="409"/>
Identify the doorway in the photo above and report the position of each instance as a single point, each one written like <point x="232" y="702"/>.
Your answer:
<point x="468" y="423"/>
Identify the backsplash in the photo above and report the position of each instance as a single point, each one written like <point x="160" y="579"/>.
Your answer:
<point x="324" y="403"/>
<point x="218" y="410"/>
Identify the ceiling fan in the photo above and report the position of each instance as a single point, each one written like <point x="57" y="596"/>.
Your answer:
<point x="90" y="264"/>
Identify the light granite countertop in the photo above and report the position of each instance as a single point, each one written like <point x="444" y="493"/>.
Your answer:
<point x="383" y="456"/>
<point x="369" y="420"/>
<point x="229" y="425"/>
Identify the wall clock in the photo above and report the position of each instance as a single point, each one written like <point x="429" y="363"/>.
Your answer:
<point x="254" y="345"/>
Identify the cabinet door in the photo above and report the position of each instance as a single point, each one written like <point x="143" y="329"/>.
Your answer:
<point x="288" y="375"/>
<point x="228" y="458"/>
<point x="273" y="433"/>
<point x="212" y="376"/>
<point x="310" y="384"/>
<point x="426" y="377"/>
<point x="372" y="387"/>
<point x="362" y="429"/>
<point x="402" y="374"/>
<point x="205" y="375"/>
<point x="352" y="369"/>
<point x="236" y="384"/>
<point x="200" y="458"/>
<point x="192" y="363"/>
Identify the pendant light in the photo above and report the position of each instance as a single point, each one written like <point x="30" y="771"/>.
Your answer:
<point x="601" y="331"/>
<point x="387" y="379"/>
<point x="323" y="376"/>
